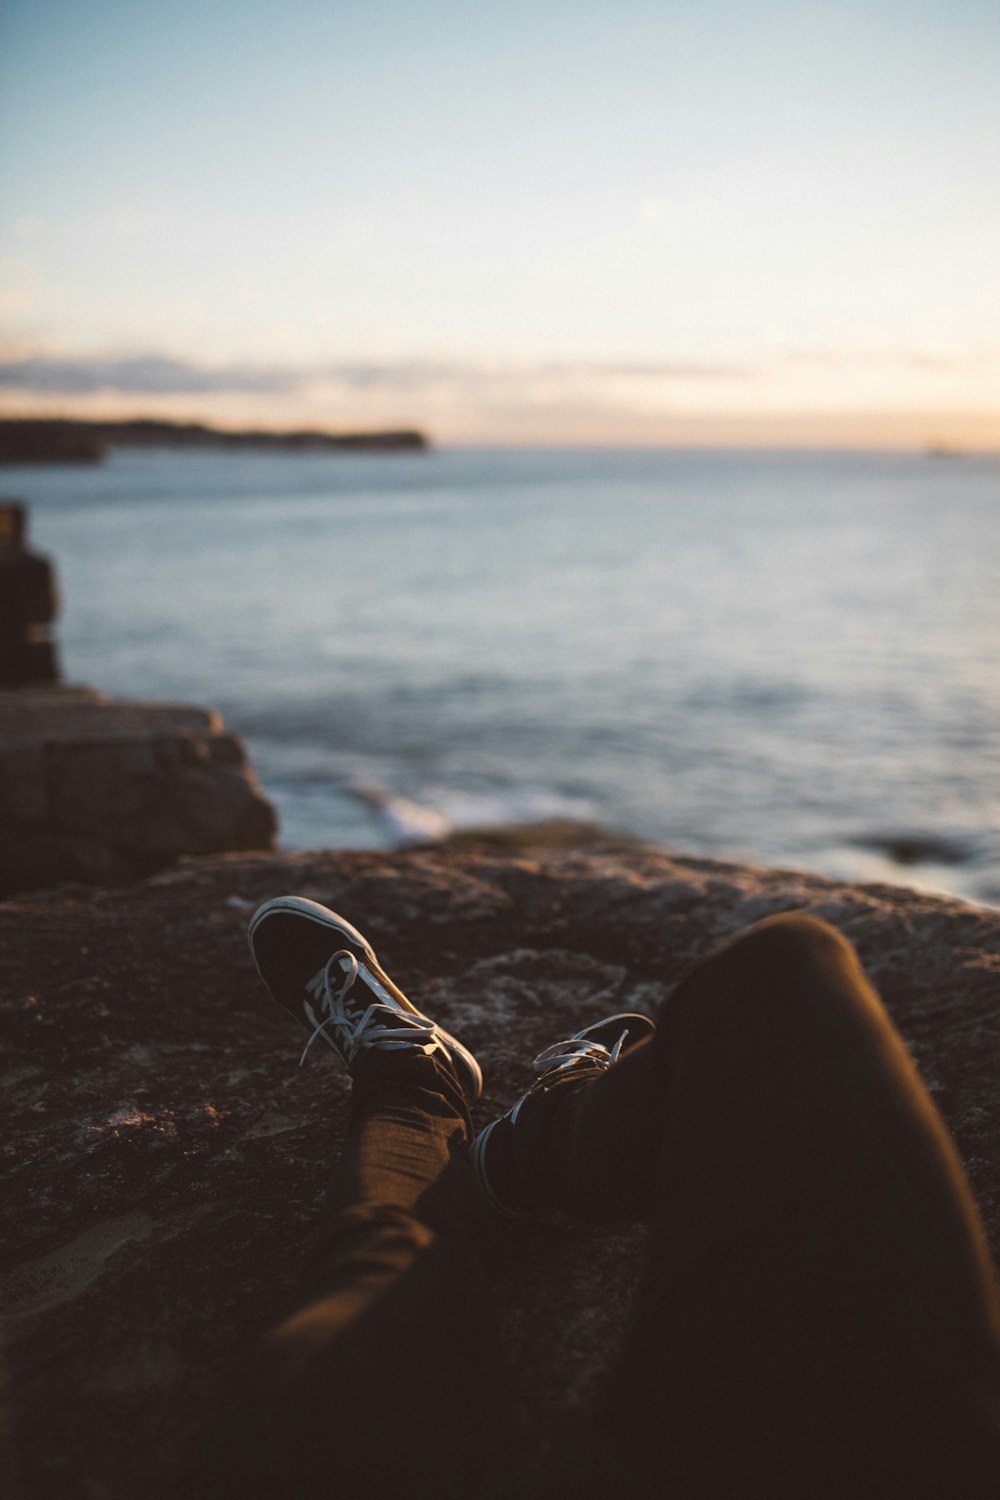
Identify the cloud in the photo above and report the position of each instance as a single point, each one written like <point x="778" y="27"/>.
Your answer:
<point x="140" y="375"/>
<point x="964" y="361"/>
<point x="567" y="400"/>
<point x="163" y="375"/>
<point x="160" y="375"/>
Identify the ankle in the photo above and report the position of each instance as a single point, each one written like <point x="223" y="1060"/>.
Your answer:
<point x="385" y="1082"/>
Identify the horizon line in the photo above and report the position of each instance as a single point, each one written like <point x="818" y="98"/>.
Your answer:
<point x="536" y="425"/>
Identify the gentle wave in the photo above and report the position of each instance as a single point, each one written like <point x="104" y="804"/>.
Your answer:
<point x="788" y="658"/>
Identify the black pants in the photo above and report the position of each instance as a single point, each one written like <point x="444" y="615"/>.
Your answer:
<point x="819" y="1315"/>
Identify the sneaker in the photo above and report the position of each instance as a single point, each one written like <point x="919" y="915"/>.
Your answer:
<point x="588" y="1054"/>
<point x="326" y="975"/>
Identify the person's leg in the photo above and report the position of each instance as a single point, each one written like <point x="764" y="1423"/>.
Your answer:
<point x="377" y="1385"/>
<point x="819" y="1316"/>
<point x="381" y="1378"/>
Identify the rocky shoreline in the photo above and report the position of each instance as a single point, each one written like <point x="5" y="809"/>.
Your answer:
<point x="164" y="1159"/>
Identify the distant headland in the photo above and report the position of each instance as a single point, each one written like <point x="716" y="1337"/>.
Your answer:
<point x="62" y="440"/>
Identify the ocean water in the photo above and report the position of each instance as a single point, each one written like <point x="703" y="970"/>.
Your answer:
<point x="788" y="658"/>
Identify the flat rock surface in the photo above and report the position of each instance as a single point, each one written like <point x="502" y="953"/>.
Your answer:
<point x="103" y="791"/>
<point x="50" y="714"/>
<point x="164" y="1159"/>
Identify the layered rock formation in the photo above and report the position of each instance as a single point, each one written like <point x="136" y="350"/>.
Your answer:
<point x="103" y="791"/>
<point x="164" y="1159"/>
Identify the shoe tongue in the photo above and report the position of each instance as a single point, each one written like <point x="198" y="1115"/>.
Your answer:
<point x="367" y="989"/>
<point x="317" y="984"/>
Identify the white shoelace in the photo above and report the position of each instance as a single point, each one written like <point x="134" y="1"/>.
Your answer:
<point x="355" y="1031"/>
<point x="574" y="1049"/>
<point x="564" y="1055"/>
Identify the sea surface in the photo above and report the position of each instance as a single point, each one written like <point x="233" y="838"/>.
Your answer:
<point x="779" y="657"/>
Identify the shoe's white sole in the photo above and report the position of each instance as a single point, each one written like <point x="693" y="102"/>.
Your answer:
<point x="477" y="1156"/>
<point x="301" y="906"/>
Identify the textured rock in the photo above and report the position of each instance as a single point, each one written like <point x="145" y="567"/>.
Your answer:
<point x="101" y="791"/>
<point x="28" y="604"/>
<point x="164" y="1159"/>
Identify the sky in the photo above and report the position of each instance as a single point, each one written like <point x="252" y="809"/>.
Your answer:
<point x="583" y="221"/>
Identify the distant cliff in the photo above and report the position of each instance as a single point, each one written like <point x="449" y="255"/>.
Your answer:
<point x="60" y="440"/>
<point x="50" y="443"/>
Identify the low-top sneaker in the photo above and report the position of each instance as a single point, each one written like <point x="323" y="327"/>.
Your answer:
<point x="326" y="975"/>
<point x="498" y="1150"/>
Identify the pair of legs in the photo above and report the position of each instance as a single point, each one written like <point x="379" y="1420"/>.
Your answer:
<point x="818" y="1316"/>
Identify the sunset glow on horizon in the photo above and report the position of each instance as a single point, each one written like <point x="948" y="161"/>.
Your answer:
<point x="614" y="224"/>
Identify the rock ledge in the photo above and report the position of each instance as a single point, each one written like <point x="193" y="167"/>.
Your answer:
<point x="164" y="1159"/>
<point x="103" y="791"/>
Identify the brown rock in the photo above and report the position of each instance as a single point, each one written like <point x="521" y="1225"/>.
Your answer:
<point x="100" y="791"/>
<point x="164" y="1159"/>
<point x="28" y="604"/>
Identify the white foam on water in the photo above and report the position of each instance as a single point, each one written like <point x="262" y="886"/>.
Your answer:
<point x="748" y="656"/>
